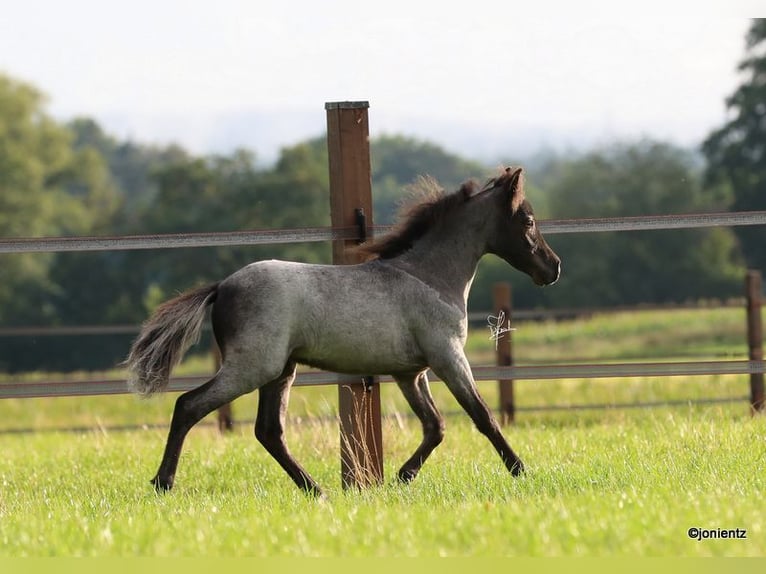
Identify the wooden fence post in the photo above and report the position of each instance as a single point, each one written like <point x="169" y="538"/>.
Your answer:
<point x="753" y="291"/>
<point x="501" y="296"/>
<point x="348" y="147"/>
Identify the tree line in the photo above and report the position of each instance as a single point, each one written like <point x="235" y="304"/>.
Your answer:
<point x="73" y="178"/>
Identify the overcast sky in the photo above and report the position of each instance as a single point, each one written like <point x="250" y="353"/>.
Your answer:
<point x="216" y="75"/>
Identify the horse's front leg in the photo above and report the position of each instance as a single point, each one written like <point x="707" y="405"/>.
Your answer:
<point x="453" y="368"/>
<point x="415" y="389"/>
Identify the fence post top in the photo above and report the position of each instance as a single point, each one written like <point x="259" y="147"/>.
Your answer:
<point x="346" y="105"/>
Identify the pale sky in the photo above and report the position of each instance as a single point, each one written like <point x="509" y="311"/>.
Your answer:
<point x="474" y="76"/>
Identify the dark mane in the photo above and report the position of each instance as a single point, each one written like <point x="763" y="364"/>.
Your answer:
<point x="427" y="205"/>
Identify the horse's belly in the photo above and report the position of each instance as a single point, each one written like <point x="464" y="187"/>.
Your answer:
<point x="355" y="353"/>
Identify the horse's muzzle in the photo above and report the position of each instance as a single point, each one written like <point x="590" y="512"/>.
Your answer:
<point x="548" y="276"/>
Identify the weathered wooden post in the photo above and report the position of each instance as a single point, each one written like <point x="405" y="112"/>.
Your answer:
<point x="501" y="296"/>
<point x="348" y="146"/>
<point x="755" y="337"/>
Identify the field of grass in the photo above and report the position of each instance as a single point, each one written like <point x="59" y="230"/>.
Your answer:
<point x="680" y="334"/>
<point x="627" y="482"/>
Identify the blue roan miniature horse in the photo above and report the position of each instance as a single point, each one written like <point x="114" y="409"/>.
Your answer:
<point x="399" y="313"/>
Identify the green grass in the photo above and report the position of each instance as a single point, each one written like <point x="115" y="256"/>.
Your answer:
<point x="688" y="334"/>
<point x="600" y="482"/>
<point x="628" y="485"/>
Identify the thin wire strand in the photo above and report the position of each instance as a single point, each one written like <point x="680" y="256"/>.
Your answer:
<point x="315" y="234"/>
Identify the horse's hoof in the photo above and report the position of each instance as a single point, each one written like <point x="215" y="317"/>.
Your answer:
<point x="518" y="468"/>
<point x="407" y="475"/>
<point x="160" y="485"/>
<point x="313" y="491"/>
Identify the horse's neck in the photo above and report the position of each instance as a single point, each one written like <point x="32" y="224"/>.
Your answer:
<point x="446" y="257"/>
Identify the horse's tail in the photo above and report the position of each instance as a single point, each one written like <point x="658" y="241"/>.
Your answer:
<point x="165" y="336"/>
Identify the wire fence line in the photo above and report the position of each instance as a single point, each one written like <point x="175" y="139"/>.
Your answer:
<point x="395" y="416"/>
<point x="51" y="388"/>
<point x="315" y="234"/>
<point x="176" y="240"/>
<point x="654" y="222"/>
<point x="473" y="317"/>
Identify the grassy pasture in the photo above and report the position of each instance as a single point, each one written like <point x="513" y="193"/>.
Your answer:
<point x="600" y="482"/>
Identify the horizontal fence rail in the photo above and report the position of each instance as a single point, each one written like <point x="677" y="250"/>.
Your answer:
<point x="33" y="389"/>
<point x="176" y="240"/>
<point x="314" y="234"/>
<point x="654" y="222"/>
<point x="71" y="330"/>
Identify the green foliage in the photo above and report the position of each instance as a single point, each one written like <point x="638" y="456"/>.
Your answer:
<point x="609" y="268"/>
<point x="230" y="193"/>
<point x="397" y="161"/>
<point x="736" y="152"/>
<point x="47" y="187"/>
<point x="132" y="167"/>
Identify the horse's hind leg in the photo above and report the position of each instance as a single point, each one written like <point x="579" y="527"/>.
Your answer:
<point x="270" y="424"/>
<point x="192" y="407"/>
<point x="415" y="389"/>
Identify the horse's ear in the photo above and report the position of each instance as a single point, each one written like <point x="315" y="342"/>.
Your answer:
<point x="513" y="187"/>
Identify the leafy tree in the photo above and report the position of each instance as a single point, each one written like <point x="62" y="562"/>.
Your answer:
<point x="398" y="160"/>
<point x="736" y="152"/>
<point x="609" y="268"/>
<point x="47" y="187"/>
<point x="132" y="167"/>
<point x="109" y="287"/>
<point x="229" y="193"/>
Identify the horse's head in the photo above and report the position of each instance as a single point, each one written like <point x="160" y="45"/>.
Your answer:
<point x="516" y="237"/>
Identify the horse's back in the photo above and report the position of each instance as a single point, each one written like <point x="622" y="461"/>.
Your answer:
<point x="359" y="318"/>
